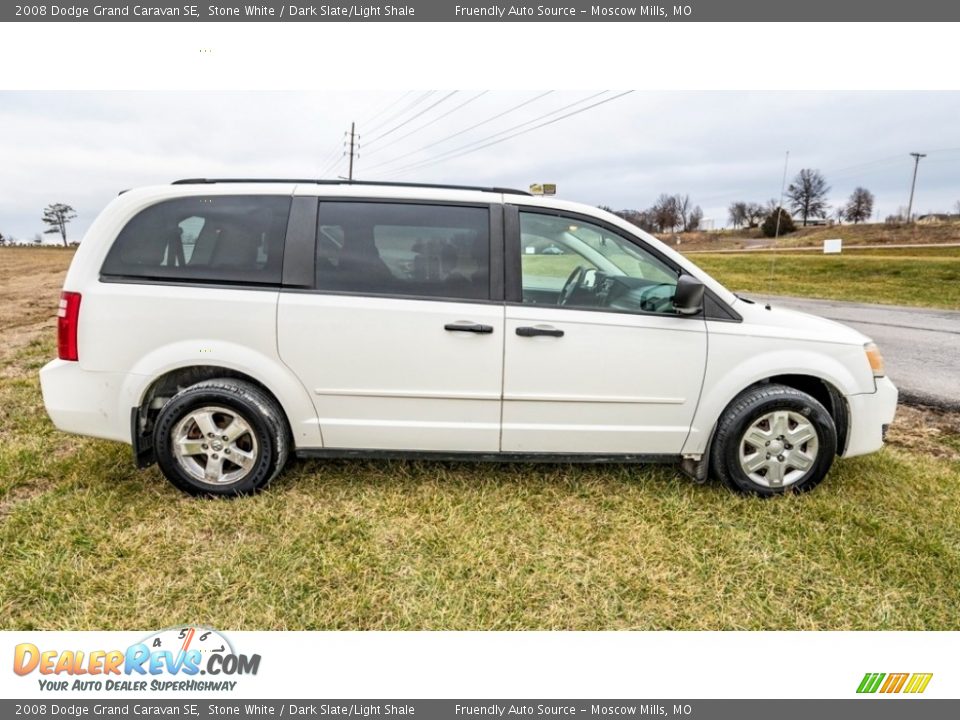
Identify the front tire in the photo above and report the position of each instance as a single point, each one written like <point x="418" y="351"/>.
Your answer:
<point x="773" y="439"/>
<point x="221" y="437"/>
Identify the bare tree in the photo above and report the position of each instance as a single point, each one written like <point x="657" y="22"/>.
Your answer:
<point x="808" y="194"/>
<point x="755" y="214"/>
<point x="640" y="218"/>
<point x="840" y="213"/>
<point x="957" y="207"/>
<point x="860" y="205"/>
<point x="3" y="240"/>
<point x="666" y="214"/>
<point x="57" y="215"/>
<point x="737" y="213"/>
<point x="682" y="204"/>
<point x="643" y="219"/>
<point x="694" y="218"/>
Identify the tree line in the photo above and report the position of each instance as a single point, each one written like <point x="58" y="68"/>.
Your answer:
<point x="807" y="198"/>
<point x="669" y="213"/>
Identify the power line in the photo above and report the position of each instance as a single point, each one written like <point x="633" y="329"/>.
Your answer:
<point x="465" y="130"/>
<point x="882" y="161"/>
<point x="409" y="106"/>
<point x="520" y="125"/>
<point x="412" y="117"/>
<point x="326" y="158"/>
<point x="873" y="165"/>
<point x="429" y="123"/>
<point x="384" y="109"/>
<point x="330" y="166"/>
<point x="511" y="137"/>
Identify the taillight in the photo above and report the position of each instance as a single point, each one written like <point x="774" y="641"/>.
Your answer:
<point x="67" y="317"/>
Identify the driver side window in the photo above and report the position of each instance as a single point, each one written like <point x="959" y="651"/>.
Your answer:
<point x="570" y="263"/>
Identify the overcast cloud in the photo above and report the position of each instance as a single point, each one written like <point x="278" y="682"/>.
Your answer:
<point x="82" y="148"/>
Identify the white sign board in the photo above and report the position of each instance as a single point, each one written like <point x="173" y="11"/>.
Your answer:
<point x="832" y="246"/>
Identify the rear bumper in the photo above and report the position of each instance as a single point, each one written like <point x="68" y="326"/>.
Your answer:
<point x="870" y="415"/>
<point x="84" y="402"/>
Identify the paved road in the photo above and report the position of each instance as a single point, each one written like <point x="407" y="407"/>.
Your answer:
<point x="921" y="347"/>
<point x="764" y="245"/>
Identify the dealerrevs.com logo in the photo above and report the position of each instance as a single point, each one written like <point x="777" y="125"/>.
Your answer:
<point x="172" y="659"/>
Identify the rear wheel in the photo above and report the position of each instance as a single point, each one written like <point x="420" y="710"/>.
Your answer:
<point x="221" y="437"/>
<point x="773" y="439"/>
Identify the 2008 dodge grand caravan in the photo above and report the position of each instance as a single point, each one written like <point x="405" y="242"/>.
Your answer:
<point x="218" y="326"/>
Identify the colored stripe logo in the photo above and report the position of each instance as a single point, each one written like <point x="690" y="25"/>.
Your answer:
<point x="913" y="683"/>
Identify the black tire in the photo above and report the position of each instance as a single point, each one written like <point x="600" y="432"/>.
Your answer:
<point x="267" y="436"/>
<point x="749" y="408"/>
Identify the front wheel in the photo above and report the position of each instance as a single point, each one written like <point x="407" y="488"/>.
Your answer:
<point x="773" y="439"/>
<point x="221" y="437"/>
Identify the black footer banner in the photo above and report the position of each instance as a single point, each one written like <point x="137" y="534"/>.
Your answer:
<point x="873" y="708"/>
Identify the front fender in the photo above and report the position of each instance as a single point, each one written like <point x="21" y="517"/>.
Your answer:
<point x="730" y="373"/>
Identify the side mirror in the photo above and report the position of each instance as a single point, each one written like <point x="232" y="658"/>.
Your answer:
<point x="688" y="299"/>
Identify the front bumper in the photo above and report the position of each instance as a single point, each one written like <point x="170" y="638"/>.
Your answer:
<point x="870" y="415"/>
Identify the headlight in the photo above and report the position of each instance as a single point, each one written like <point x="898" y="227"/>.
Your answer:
<point x="875" y="359"/>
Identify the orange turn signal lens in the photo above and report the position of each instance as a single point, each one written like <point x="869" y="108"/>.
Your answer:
<point x="875" y="359"/>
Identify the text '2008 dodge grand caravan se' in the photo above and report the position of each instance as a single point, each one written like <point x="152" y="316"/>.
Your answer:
<point x="219" y="326"/>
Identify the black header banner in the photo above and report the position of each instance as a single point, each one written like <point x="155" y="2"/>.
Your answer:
<point x="480" y="11"/>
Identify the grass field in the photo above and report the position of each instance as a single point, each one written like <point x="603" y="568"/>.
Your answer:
<point x="90" y="543"/>
<point x="928" y="277"/>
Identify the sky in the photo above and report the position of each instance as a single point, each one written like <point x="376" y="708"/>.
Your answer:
<point x="82" y="148"/>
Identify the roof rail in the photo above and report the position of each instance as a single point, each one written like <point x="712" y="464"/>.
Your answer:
<point x="316" y="181"/>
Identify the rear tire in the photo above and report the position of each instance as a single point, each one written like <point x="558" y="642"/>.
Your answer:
<point x="773" y="439"/>
<point x="221" y="437"/>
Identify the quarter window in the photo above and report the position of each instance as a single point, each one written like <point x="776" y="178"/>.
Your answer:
<point x="413" y="250"/>
<point x="230" y="239"/>
<point x="576" y="264"/>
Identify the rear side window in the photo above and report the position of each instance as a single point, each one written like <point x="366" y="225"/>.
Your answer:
<point x="229" y="239"/>
<point x="414" y="250"/>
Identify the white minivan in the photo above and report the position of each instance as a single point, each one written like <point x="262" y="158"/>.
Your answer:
<point x="219" y="325"/>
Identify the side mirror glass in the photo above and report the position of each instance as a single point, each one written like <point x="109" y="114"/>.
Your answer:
<point x="688" y="299"/>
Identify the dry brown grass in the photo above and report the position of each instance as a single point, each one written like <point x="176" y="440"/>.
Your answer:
<point x="852" y="235"/>
<point x="30" y="282"/>
<point x="935" y="433"/>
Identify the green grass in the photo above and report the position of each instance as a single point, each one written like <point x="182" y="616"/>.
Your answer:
<point x="90" y="543"/>
<point x="926" y="277"/>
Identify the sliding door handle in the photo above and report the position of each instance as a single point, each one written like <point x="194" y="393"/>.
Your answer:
<point x="472" y="327"/>
<point x="539" y="330"/>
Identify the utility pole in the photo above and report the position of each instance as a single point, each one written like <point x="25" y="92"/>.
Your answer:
<point x="783" y="185"/>
<point x="779" y="211"/>
<point x="350" y="171"/>
<point x="916" y="164"/>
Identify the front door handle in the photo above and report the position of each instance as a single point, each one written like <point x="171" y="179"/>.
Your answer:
<point x="465" y="326"/>
<point x="539" y="330"/>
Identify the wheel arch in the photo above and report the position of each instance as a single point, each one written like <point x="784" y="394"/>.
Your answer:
<point x="819" y="389"/>
<point x="696" y="464"/>
<point x="164" y="386"/>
